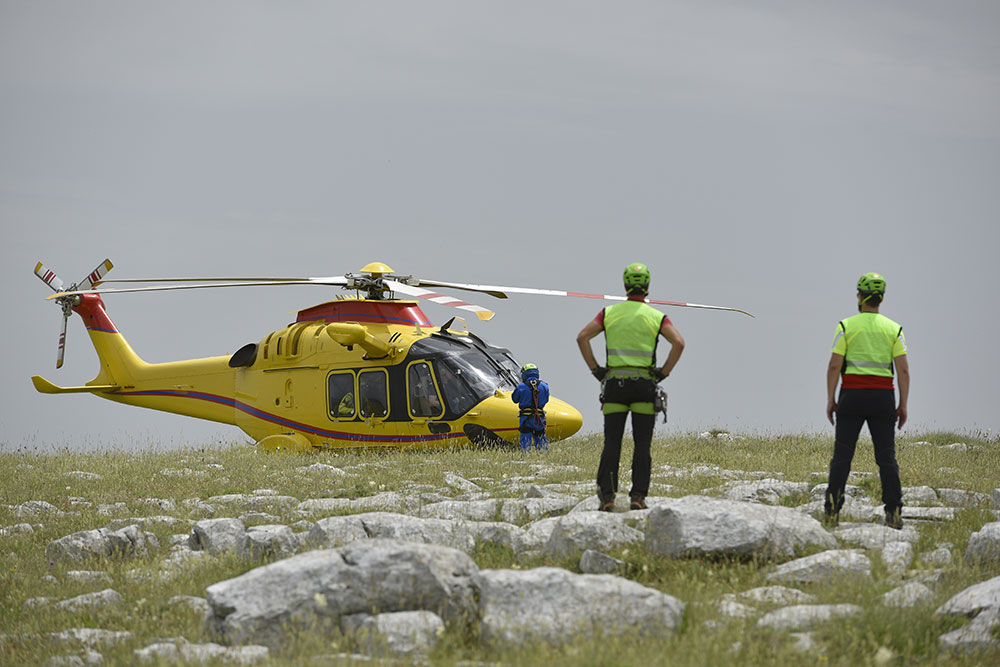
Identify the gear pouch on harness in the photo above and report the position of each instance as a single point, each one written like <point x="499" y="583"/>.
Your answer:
<point x="660" y="403"/>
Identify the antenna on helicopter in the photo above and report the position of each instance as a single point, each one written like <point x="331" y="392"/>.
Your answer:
<point x="67" y="301"/>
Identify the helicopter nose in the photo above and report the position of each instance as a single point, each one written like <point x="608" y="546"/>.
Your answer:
<point x="562" y="419"/>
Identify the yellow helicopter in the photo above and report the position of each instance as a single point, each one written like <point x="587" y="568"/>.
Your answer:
<point x="363" y="370"/>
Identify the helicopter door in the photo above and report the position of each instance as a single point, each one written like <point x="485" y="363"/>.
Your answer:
<point x="373" y="397"/>
<point x="424" y="400"/>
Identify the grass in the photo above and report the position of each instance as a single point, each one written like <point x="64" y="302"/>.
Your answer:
<point x="896" y="636"/>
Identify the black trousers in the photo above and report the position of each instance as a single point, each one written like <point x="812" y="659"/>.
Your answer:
<point x="607" y="471"/>
<point x="855" y="407"/>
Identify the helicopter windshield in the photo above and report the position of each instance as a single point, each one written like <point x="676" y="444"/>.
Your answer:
<point x="466" y="374"/>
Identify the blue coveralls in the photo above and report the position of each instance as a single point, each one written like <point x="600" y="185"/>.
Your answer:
<point x="531" y="400"/>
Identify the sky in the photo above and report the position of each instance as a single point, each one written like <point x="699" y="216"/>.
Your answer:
<point x="761" y="155"/>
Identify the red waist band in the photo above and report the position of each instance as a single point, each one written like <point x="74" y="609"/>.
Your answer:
<point x="851" y="381"/>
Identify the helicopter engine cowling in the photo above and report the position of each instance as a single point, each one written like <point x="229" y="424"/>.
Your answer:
<point x="348" y="334"/>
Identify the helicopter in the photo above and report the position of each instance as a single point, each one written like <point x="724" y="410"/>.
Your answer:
<point x="363" y="370"/>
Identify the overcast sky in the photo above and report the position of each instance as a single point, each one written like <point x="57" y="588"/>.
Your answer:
<point x="754" y="154"/>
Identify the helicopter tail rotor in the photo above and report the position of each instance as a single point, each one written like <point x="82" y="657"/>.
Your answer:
<point x="68" y="301"/>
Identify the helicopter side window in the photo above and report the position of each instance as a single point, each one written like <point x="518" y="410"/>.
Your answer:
<point x="341" y="392"/>
<point x="423" y="395"/>
<point x="373" y="392"/>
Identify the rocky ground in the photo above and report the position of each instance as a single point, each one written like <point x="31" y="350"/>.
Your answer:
<point x="394" y="571"/>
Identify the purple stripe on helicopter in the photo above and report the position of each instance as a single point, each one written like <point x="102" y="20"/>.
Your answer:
<point x="274" y="419"/>
<point x="100" y="329"/>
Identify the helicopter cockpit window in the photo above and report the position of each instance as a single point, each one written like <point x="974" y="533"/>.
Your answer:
<point x="341" y="392"/>
<point x="424" y="399"/>
<point x="373" y="393"/>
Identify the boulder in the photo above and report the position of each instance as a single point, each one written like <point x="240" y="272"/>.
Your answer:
<point x="413" y="529"/>
<point x="824" y="566"/>
<point x="973" y="600"/>
<point x="271" y="541"/>
<point x="387" y="502"/>
<point x="218" y="536"/>
<point x="897" y="556"/>
<point x="522" y="510"/>
<point x="908" y="595"/>
<point x="920" y="495"/>
<point x="99" y="543"/>
<point x="553" y="605"/>
<point x="575" y="533"/>
<point x="984" y="545"/>
<point x="875" y="536"/>
<point x="805" y="616"/>
<point x="336" y="531"/>
<point x="979" y="635"/>
<point x="104" y="598"/>
<point x="313" y="590"/>
<point x="701" y="526"/>
<point x="401" y="633"/>
<point x="475" y="510"/>
<point x="594" y="562"/>
<point x="963" y="498"/>
<point x="499" y="533"/>
<point x="181" y="651"/>
<point x="775" y="595"/>
<point x="769" y="491"/>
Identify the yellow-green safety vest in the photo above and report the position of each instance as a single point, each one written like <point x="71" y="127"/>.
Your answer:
<point x="631" y="331"/>
<point x="869" y="342"/>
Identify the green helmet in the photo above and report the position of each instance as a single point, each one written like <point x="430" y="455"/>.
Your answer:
<point x="871" y="283"/>
<point x="636" y="276"/>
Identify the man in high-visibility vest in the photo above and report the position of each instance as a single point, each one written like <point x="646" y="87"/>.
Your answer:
<point x="866" y="350"/>
<point x="628" y="382"/>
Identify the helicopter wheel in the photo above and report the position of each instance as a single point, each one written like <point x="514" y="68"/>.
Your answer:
<point x="285" y="443"/>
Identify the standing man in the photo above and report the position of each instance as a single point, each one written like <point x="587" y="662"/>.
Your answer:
<point x="531" y="396"/>
<point x="631" y="329"/>
<point x="865" y="349"/>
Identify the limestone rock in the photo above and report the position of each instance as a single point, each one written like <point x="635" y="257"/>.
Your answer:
<point x="575" y="533"/>
<point x="702" y="526"/>
<point x="594" y="562"/>
<point x="271" y="541"/>
<point x="104" y="598"/>
<point x="402" y="633"/>
<point x="182" y="651"/>
<point x="979" y="635"/>
<point x="984" y="544"/>
<point x="313" y="590"/>
<point x="824" y="566"/>
<point x="875" y="536"/>
<point x="553" y="605"/>
<point x="972" y="600"/>
<point x="897" y="556"/>
<point x="218" y="536"/>
<point x="475" y="510"/>
<point x="908" y="595"/>
<point x="805" y="616"/>
<point x="782" y="595"/>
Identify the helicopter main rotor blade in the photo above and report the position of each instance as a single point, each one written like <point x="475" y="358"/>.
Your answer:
<point x="332" y="280"/>
<point x="501" y="292"/>
<point x="437" y="297"/>
<point x="94" y="278"/>
<point x="49" y="277"/>
<point x="161" y="288"/>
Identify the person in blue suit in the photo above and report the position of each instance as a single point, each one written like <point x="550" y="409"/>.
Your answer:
<point x="531" y="395"/>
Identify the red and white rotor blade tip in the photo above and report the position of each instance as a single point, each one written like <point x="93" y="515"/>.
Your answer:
<point x="62" y="343"/>
<point x="500" y="291"/>
<point x="437" y="297"/>
<point x="48" y="277"/>
<point x="94" y="278"/>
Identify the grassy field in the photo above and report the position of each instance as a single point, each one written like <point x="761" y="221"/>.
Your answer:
<point x="878" y="636"/>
